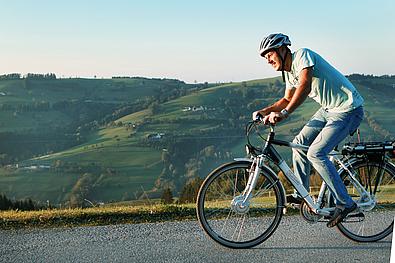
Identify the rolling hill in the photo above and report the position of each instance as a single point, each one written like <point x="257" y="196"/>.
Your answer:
<point x="163" y="143"/>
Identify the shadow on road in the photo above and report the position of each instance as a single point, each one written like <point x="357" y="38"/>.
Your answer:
<point x="386" y="245"/>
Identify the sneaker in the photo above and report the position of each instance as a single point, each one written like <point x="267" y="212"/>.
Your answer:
<point x="340" y="214"/>
<point x="291" y="199"/>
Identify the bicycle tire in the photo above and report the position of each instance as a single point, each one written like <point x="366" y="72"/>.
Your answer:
<point x="239" y="229"/>
<point x="377" y="223"/>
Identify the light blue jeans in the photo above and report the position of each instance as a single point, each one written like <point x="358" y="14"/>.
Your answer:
<point x="322" y="133"/>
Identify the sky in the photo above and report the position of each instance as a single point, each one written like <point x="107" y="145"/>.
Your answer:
<point x="194" y="41"/>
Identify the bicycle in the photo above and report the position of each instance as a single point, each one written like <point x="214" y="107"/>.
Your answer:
<point x="240" y="204"/>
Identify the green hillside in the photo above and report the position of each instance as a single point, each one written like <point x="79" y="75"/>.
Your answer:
<point x="24" y="102"/>
<point x="40" y="116"/>
<point x="168" y="142"/>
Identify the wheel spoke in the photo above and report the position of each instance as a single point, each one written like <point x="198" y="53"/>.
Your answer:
<point x="226" y="221"/>
<point x="241" y="226"/>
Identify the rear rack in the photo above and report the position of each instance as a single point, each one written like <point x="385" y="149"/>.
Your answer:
<point x="369" y="148"/>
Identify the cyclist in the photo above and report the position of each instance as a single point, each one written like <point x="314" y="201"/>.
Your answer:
<point x="307" y="74"/>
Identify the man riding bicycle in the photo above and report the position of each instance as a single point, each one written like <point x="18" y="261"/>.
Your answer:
<point x="307" y="74"/>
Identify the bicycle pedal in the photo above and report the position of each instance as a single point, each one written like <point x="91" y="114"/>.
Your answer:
<point x="295" y="206"/>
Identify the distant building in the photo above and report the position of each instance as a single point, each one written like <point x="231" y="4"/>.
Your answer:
<point x="200" y="108"/>
<point x="33" y="167"/>
<point x="197" y="108"/>
<point x="156" y="136"/>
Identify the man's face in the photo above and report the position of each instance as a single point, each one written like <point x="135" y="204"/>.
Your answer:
<point x="273" y="59"/>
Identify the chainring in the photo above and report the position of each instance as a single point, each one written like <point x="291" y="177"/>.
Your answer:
<point x="308" y="214"/>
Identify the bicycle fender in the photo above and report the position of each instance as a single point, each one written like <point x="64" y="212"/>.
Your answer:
<point x="243" y="160"/>
<point x="352" y="161"/>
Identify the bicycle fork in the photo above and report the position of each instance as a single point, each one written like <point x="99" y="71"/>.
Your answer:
<point x="252" y="179"/>
<point x="241" y="203"/>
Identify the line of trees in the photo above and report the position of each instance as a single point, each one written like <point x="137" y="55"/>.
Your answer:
<point x="24" y="205"/>
<point x="11" y="76"/>
<point x="357" y="76"/>
<point x="40" y="76"/>
<point x="28" y="76"/>
<point x="27" y="107"/>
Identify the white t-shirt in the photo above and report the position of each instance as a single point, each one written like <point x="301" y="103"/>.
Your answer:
<point x="333" y="91"/>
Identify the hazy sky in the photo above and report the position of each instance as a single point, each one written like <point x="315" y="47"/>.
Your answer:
<point x="205" y="40"/>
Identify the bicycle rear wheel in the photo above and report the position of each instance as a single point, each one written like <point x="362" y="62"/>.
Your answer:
<point x="379" y="180"/>
<point x="234" y="226"/>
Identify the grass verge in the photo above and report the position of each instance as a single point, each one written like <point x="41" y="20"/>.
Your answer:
<point x="95" y="216"/>
<point x="107" y="215"/>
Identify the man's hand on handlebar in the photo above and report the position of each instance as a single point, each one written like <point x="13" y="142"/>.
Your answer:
<point x="257" y="116"/>
<point x="273" y="117"/>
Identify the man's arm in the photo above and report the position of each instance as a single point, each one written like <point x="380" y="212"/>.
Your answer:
<point x="298" y="97"/>
<point x="278" y="105"/>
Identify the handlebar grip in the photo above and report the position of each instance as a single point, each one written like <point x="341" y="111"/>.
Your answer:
<point x="259" y="117"/>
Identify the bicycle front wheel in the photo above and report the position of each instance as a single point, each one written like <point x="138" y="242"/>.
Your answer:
<point x="239" y="226"/>
<point x="379" y="180"/>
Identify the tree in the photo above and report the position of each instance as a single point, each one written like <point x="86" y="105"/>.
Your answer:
<point x="190" y="190"/>
<point x="4" y="159"/>
<point x="5" y="203"/>
<point x="165" y="157"/>
<point x="167" y="196"/>
<point x="154" y="107"/>
<point x="81" y="190"/>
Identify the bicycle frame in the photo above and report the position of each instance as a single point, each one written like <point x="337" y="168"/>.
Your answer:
<point x="366" y="203"/>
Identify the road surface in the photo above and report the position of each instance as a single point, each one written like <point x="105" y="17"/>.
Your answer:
<point x="294" y="241"/>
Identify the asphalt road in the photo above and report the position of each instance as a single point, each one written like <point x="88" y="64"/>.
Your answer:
<point x="294" y="241"/>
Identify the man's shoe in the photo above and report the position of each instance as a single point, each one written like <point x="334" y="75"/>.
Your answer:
<point x="340" y="214"/>
<point x="294" y="200"/>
